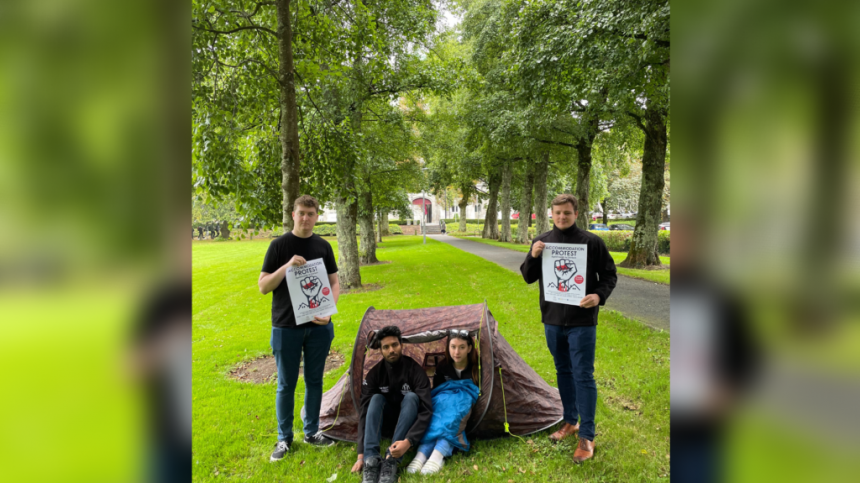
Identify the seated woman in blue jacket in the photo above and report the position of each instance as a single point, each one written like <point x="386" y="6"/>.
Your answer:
<point x="455" y="390"/>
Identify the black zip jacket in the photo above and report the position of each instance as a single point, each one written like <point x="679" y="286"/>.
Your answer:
<point x="445" y="372"/>
<point x="393" y="381"/>
<point x="600" y="277"/>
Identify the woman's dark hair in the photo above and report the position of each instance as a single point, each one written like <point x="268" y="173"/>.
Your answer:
<point x="473" y="355"/>
<point x="388" y="331"/>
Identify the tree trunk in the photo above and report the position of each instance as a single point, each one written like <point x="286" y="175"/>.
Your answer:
<point x="464" y="202"/>
<point x="225" y="230"/>
<point x="491" y="220"/>
<point x="348" y="263"/>
<point x="505" y="233"/>
<point x="664" y="214"/>
<point x="541" y="220"/>
<point x="643" y="243"/>
<point x="605" y="213"/>
<point x="368" y="237"/>
<point x="583" y="174"/>
<point x="289" y="135"/>
<point x="382" y="219"/>
<point x="525" y="206"/>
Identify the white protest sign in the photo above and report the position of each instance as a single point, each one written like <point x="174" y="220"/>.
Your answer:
<point x="563" y="268"/>
<point x="310" y="291"/>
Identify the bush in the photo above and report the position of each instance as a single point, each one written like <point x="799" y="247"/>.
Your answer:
<point x="514" y="232"/>
<point x="663" y="245"/>
<point x="331" y="230"/>
<point x="456" y="219"/>
<point x="619" y="241"/>
<point x="325" y="230"/>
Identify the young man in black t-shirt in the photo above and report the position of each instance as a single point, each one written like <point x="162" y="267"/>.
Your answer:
<point x="289" y="340"/>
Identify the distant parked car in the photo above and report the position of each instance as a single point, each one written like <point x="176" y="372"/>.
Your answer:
<point x="598" y="227"/>
<point x="596" y="216"/>
<point x="664" y="226"/>
<point x="622" y="226"/>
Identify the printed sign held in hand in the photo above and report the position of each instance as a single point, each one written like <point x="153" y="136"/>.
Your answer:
<point x="564" y="272"/>
<point x="309" y="290"/>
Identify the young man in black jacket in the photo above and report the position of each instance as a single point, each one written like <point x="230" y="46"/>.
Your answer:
<point x="571" y="330"/>
<point x="395" y="393"/>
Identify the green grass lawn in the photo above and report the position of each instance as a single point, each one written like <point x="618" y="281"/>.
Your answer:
<point x="659" y="276"/>
<point x="234" y="426"/>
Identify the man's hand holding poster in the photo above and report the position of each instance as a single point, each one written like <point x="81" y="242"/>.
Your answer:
<point x="310" y="291"/>
<point x="564" y="272"/>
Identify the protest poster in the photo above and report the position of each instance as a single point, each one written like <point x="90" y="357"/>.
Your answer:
<point x="563" y="268"/>
<point x="310" y="291"/>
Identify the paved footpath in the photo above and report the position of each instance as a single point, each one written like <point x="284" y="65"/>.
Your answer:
<point x="641" y="300"/>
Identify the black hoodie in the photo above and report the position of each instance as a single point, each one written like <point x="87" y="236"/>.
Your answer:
<point x="600" y="276"/>
<point x="394" y="381"/>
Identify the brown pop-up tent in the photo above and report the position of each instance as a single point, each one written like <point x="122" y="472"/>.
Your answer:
<point x="516" y="393"/>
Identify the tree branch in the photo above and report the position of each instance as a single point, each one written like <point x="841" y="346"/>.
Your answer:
<point x="240" y="64"/>
<point x="638" y="119"/>
<point x="237" y="29"/>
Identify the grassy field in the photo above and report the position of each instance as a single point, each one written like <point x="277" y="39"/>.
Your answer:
<point x="659" y="276"/>
<point x="234" y="426"/>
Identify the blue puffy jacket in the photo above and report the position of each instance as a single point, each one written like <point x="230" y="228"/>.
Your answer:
<point x="452" y="404"/>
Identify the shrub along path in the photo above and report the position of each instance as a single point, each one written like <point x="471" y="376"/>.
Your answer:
<point x="645" y="301"/>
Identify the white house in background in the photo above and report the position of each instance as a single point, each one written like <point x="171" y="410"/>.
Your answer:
<point x="433" y="209"/>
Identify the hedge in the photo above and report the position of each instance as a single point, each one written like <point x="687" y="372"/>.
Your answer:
<point x="616" y="240"/>
<point x="331" y="230"/>
<point x="619" y="241"/>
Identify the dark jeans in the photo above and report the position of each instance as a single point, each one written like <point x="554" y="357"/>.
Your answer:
<point x="287" y="346"/>
<point x="572" y="349"/>
<point x="376" y="414"/>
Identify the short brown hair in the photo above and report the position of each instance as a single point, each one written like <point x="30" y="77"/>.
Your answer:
<point x="566" y="198"/>
<point x="307" y="201"/>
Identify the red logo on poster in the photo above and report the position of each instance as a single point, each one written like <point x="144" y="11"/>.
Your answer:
<point x="325" y="290"/>
<point x="578" y="279"/>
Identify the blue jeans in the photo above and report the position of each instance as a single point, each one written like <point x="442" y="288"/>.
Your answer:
<point x="440" y="445"/>
<point x="572" y="349"/>
<point x="406" y="415"/>
<point x="287" y="346"/>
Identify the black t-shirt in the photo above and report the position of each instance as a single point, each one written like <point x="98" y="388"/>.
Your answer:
<point x="281" y="250"/>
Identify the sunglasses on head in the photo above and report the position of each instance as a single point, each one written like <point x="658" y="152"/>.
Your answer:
<point x="458" y="332"/>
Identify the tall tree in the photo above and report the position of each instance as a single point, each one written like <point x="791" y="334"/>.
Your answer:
<point x="526" y="204"/>
<point x="505" y="232"/>
<point x="541" y="170"/>
<point x="491" y="219"/>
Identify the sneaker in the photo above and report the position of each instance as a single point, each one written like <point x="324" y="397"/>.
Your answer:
<point x="280" y="450"/>
<point x="388" y="474"/>
<point x="372" y="466"/>
<point x="318" y="440"/>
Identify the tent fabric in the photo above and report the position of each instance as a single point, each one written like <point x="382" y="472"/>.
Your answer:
<point x="531" y="404"/>
<point x="452" y="406"/>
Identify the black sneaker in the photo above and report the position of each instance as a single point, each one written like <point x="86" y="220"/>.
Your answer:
<point x="318" y="440"/>
<point x="372" y="466"/>
<point x="280" y="450"/>
<point x="388" y="474"/>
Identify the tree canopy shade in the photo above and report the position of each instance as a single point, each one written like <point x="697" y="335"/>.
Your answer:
<point x="349" y="100"/>
<point x="614" y="53"/>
